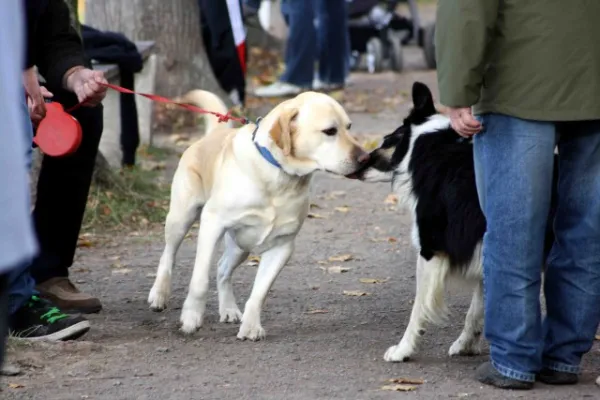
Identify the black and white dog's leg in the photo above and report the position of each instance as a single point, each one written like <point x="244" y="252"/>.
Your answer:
<point x="469" y="341"/>
<point x="428" y="306"/>
<point x="230" y="260"/>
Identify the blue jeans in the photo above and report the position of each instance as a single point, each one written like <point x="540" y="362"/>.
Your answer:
<point x="21" y="286"/>
<point x="328" y="42"/>
<point x="514" y="165"/>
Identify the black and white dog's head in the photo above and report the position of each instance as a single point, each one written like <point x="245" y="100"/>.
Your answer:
<point x="393" y="155"/>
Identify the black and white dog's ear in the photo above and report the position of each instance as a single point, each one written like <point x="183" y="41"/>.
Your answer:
<point x="422" y="98"/>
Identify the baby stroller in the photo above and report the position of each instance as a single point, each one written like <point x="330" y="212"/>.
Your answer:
<point x="379" y="33"/>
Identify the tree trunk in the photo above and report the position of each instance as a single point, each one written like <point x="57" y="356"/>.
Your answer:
<point x="175" y="27"/>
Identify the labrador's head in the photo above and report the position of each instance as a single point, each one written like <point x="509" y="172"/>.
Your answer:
<point x="311" y="132"/>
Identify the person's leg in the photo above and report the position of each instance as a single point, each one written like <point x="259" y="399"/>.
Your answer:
<point x="62" y="192"/>
<point x="27" y="315"/>
<point x="513" y="161"/>
<point x="3" y="315"/>
<point x="300" y="51"/>
<point x="333" y="41"/>
<point x="20" y="284"/>
<point x="572" y="282"/>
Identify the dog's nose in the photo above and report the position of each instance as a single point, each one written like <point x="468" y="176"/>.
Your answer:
<point x="363" y="158"/>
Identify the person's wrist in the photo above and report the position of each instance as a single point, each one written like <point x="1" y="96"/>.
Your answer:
<point x="70" y="77"/>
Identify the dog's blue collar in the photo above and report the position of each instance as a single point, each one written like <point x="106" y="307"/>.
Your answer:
<point x="263" y="150"/>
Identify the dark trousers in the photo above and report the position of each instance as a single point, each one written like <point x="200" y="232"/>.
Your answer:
<point x="3" y="314"/>
<point x="217" y="35"/>
<point x="62" y="193"/>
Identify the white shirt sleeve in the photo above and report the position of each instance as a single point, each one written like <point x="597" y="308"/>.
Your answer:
<point x="17" y="240"/>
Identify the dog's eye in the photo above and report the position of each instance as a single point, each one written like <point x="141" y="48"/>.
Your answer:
<point x="330" y="131"/>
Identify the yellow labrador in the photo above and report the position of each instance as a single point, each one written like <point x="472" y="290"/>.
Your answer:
<point x="250" y="186"/>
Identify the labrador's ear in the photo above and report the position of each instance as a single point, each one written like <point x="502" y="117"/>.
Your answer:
<point x="282" y="129"/>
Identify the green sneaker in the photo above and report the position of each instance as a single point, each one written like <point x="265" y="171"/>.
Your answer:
<point x="39" y="319"/>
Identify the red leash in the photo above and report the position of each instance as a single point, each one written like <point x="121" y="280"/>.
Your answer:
<point x="160" y="99"/>
<point x="59" y="134"/>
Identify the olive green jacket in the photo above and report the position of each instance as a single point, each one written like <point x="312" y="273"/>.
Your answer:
<point x="531" y="59"/>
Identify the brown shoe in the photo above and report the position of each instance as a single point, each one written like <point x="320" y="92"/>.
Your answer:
<point x="67" y="297"/>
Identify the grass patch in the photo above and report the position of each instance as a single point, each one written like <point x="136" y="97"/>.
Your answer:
<point x="130" y="199"/>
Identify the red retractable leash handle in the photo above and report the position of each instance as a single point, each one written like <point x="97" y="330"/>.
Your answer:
<point x="59" y="133"/>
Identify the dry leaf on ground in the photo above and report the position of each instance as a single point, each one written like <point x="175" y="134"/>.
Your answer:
<point x="597" y="337"/>
<point x="316" y="216"/>
<point x="316" y="312"/>
<point x="343" y="209"/>
<point x="253" y="261"/>
<point x="322" y="262"/>
<point x="391" y="199"/>
<point x="84" y="243"/>
<point x="342" y="258"/>
<point x="390" y="239"/>
<point x="399" y="388"/>
<point x="409" y="381"/>
<point x="355" y="293"/>
<point x="370" y="144"/>
<point x="373" y="280"/>
<point x="121" y="271"/>
<point x="16" y="385"/>
<point x="315" y="205"/>
<point x="338" y="95"/>
<point x="334" y="195"/>
<point x="336" y="269"/>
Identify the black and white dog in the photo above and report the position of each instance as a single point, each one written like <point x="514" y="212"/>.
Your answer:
<point x="432" y="172"/>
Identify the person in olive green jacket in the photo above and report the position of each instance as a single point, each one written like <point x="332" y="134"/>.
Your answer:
<point x="523" y="77"/>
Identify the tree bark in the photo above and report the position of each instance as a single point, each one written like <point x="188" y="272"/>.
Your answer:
<point x="175" y="27"/>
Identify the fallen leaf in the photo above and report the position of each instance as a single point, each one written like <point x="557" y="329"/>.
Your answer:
<point x="342" y="258"/>
<point x="334" y="195"/>
<point x="316" y="312"/>
<point x="387" y="239"/>
<point x="84" y="243"/>
<point x="315" y="216"/>
<point x="370" y="144"/>
<point x="15" y="385"/>
<point x="253" y="261"/>
<point x="315" y="205"/>
<point x="373" y="280"/>
<point x="121" y="271"/>
<point x="336" y="269"/>
<point x="322" y="262"/>
<point x="356" y="293"/>
<point x="597" y="337"/>
<point x="337" y="95"/>
<point x="399" y="388"/>
<point x="410" y="381"/>
<point x="151" y="165"/>
<point x="391" y="199"/>
<point x="343" y="209"/>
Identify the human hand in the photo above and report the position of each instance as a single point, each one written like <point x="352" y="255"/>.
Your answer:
<point x="35" y="95"/>
<point x="463" y="121"/>
<point x="86" y="84"/>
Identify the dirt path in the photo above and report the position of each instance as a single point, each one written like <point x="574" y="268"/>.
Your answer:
<point x="132" y="353"/>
